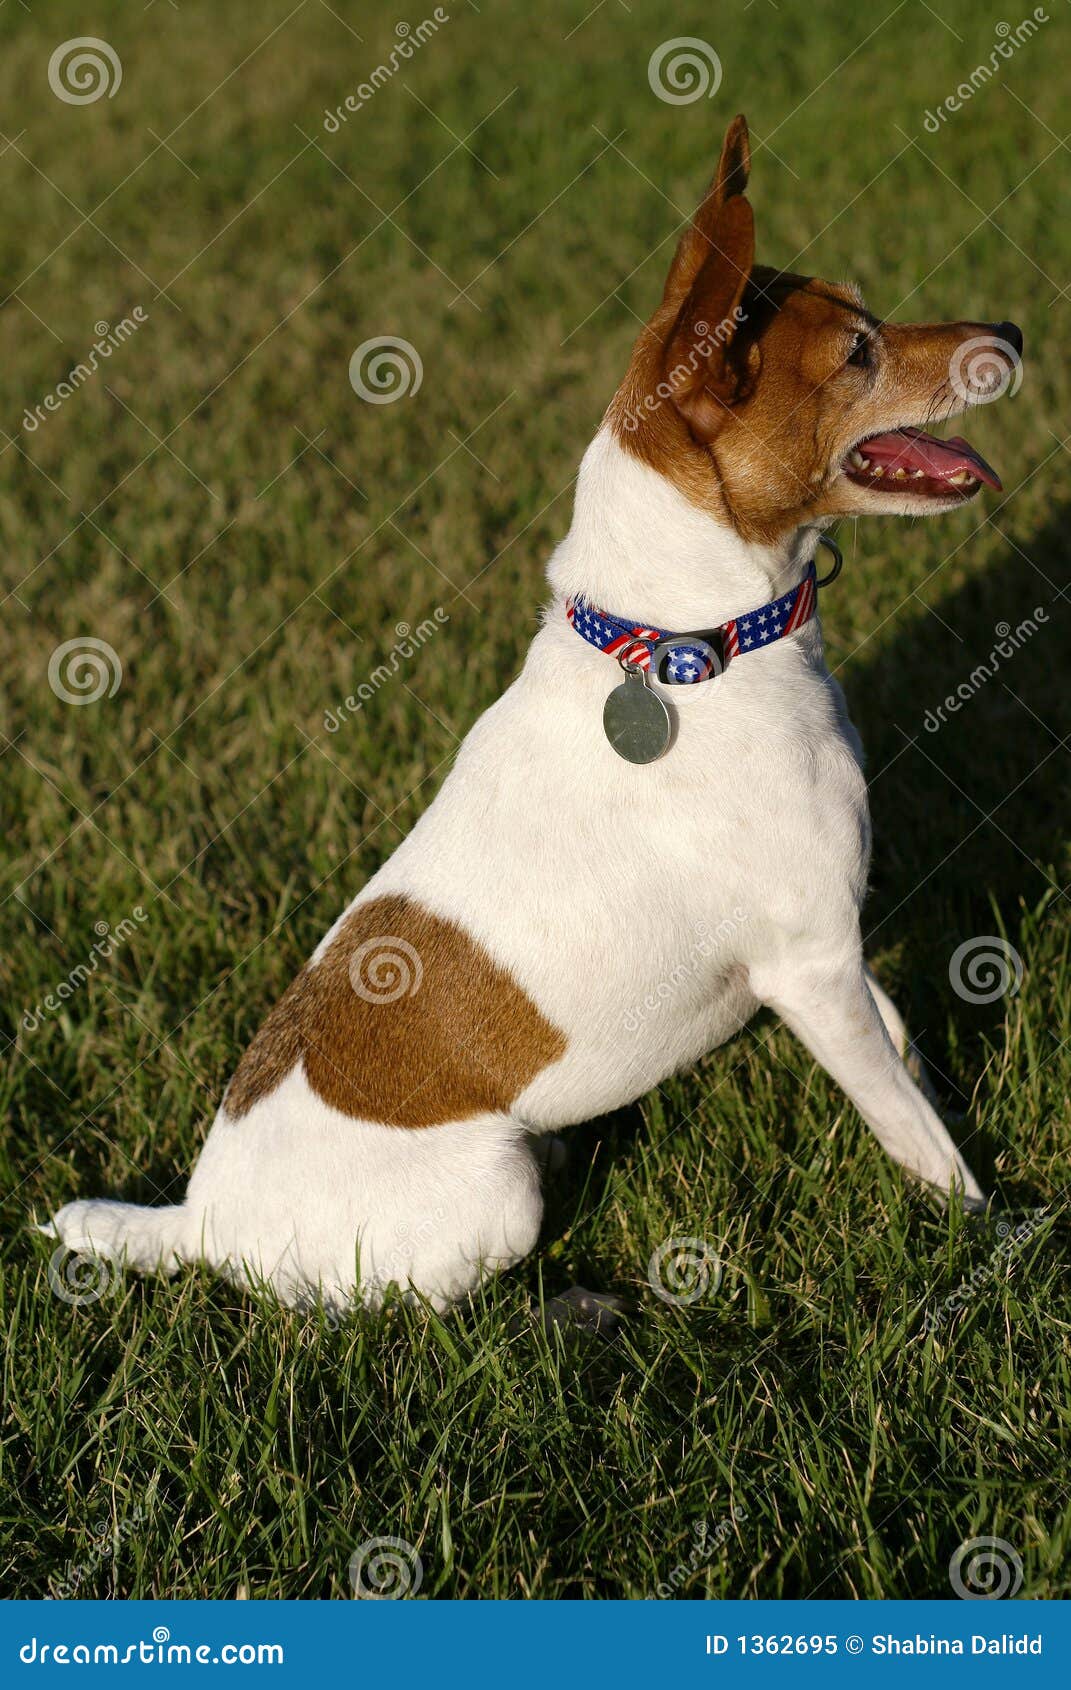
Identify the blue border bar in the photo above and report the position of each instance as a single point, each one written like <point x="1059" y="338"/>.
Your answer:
<point x="542" y="1645"/>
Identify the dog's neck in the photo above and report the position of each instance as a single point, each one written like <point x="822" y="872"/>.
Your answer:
<point x="638" y="547"/>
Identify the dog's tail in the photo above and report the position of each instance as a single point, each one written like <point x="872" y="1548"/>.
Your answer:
<point x="144" y="1238"/>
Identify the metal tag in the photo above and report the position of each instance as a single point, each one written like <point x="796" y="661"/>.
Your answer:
<point x="635" y="720"/>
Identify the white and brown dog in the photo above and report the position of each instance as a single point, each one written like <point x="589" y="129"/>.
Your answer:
<point x="603" y="816"/>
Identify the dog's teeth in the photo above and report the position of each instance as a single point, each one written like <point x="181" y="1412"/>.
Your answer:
<point x="918" y="474"/>
<point x="900" y="474"/>
<point x="960" y="479"/>
<point x="858" y="460"/>
<point x="876" y="469"/>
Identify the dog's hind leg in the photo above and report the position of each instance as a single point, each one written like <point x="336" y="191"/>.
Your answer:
<point x="828" y="1002"/>
<point x="894" y="1026"/>
<point x="146" y="1239"/>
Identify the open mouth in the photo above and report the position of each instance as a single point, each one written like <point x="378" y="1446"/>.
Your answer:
<point x="911" y="462"/>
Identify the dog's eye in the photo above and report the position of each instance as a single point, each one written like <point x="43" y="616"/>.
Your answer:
<point x="860" y="352"/>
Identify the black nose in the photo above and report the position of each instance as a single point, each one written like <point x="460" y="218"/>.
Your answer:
<point x="1012" y="334"/>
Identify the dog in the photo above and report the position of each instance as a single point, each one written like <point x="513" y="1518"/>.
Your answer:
<point x="685" y="786"/>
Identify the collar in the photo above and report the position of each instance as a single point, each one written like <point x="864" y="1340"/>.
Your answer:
<point x="703" y="654"/>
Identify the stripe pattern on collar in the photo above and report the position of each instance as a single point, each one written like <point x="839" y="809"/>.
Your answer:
<point x="684" y="659"/>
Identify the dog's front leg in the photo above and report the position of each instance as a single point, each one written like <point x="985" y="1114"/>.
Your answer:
<point x="828" y="1003"/>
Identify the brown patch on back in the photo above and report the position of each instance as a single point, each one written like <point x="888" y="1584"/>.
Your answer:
<point x="405" y="1019"/>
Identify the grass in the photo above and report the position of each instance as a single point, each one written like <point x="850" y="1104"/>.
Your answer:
<point x="246" y="534"/>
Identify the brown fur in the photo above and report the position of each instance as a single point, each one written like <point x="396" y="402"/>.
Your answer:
<point x="461" y="1039"/>
<point x="752" y="420"/>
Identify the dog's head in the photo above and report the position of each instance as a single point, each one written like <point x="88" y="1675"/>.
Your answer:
<point x="777" y="399"/>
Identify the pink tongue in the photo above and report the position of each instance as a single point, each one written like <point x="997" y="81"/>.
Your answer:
<point x="909" y="449"/>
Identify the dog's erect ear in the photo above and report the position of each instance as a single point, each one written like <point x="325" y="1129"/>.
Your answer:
<point x="704" y="364"/>
<point x="730" y="178"/>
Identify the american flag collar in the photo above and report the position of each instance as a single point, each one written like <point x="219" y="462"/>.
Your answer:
<point x="682" y="659"/>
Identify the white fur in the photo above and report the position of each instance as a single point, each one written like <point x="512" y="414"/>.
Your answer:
<point x="647" y="911"/>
